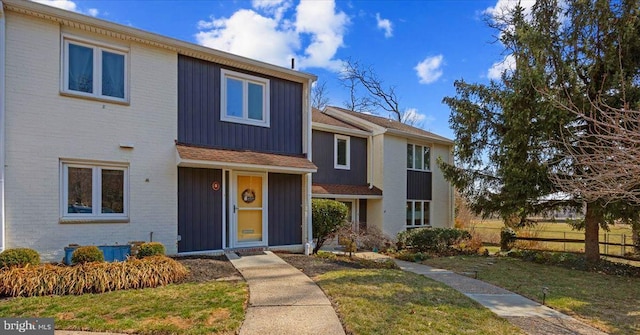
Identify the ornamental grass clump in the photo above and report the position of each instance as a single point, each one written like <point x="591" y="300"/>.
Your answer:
<point x="151" y="249"/>
<point x="19" y="257"/>
<point x="48" y="279"/>
<point x="87" y="254"/>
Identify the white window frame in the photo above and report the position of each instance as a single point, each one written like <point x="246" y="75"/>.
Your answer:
<point x="97" y="48"/>
<point x="424" y="166"/>
<point x="96" y="192"/>
<point x="336" y="138"/>
<point x="413" y="213"/>
<point x="245" y="79"/>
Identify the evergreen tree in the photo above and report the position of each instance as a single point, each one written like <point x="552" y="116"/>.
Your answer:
<point x="512" y="135"/>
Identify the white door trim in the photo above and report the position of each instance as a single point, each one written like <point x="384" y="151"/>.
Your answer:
<point x="233" y="210"/>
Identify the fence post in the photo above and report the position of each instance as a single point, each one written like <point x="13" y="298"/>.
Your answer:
<point x="624" y="244"/>
<point x="606" y="243"/>
<point x="565" y="243"/>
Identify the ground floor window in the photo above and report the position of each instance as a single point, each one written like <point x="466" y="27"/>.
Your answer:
<point x="94" y="191"/>
<point x="418" y="213"/>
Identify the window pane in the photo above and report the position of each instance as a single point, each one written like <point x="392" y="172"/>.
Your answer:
<point x="79" y="190"/>
<point x="80" y="68"/>
<point x="427" y="206"/>
<point x="342" y="151"/>
<point x="112" y="191"/>
<point x="410" y="156"/>
<point x="255" y="102"/>
<point x="112" y="75"/>
<point x="418" y="214"/>
<point x="427" y="158"/>
<point x="234" y="97"/>
<point x="409" y="213"/>
<point x="418" y="158"/>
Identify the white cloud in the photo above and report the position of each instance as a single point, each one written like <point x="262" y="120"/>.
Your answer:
<point x="385" y="25"/>
<point x="430" y="69"/>
<point x="411" y="116"/>
<point x="504" y="7"/>
<point x="249" y="34"/>
<point x="498" y="68"/>
<point x="277" y="8"/>
<point x="93" y="12"/>
<point x="63" y="4"/>
<point x="312" y="34"/>
<point x="68" y="5"/>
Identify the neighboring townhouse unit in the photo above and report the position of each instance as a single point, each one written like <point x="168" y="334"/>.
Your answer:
<point x="342" y="153"/>
<point x="110" y="134"/>
<point x="406" y="187"/>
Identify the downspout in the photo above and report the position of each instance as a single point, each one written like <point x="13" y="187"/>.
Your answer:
<point x="309" y="157"/>
<point x="3" y="242"/>
<point x="452" y="195"/>
<point x="370" y="162"/>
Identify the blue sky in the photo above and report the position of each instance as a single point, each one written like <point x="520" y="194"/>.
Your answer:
<point x="420" y="47"/>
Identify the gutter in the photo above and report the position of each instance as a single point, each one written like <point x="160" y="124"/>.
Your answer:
<point x="3" y="100"/>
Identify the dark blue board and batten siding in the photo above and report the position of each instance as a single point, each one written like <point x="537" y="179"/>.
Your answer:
<point x="199" y="112"/>
<point x="323" y="158"/>
<point x="418" y="185"/>
<point x="285" y="209"/>
<point x="199" y="210"/>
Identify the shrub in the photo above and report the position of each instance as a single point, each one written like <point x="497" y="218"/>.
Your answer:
<point x="19" y="257"/>
<point x="328" y="217"/>
<point x="436" y="240"/>
<point x="374" y="239"/>
<point x="151" y="249"/>
<point x="87" y="254"/>
<point x="507" y="238"/>
<point x="48" y="279"/>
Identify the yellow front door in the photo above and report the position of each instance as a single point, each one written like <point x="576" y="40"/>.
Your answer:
<point x="249" y="208"/>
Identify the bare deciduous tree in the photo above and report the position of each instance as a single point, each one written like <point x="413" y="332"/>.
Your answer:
<point x="379" y="96"/>
<point x="319" y="98"/>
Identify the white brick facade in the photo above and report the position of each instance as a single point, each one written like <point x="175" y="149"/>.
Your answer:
<point x="43" y="127"/>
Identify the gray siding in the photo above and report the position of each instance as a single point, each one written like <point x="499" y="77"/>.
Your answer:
<point x="418" y="185"/>
<point x="363" y="210"/>
<point x="323" y="152"/>
<point x="285" y="209"/>
<point x="199" y="210"/>
<point x="199" y="112"/>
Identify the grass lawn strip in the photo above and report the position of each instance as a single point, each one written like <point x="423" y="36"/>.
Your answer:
<point x="190" y="308"/>
<point x="383" y="301"/>
<point x="610" y="303"/>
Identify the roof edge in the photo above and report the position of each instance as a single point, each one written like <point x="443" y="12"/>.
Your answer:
<point x="116" y="30"/>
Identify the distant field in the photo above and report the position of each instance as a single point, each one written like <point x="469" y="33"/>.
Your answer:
<point x="489" y="232"/>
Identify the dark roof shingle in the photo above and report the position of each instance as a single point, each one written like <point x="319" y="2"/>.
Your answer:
<point x="243" y="157"/>
<point x="329" y="189"/>
<point x="392" y="124"/>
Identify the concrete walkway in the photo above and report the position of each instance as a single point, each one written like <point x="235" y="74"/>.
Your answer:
<point x="532" y="317"/>
<point x="283" y="300"/>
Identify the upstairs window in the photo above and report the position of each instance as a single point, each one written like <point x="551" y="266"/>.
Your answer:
<point x="245" y="99"/>
<point x="342" y="152"/>
<point x="95" y="71"/>
<point x="418" y="157"/>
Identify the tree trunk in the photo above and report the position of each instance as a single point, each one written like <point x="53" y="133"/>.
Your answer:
<point x="591" y="233"/>
<point x="635" y="236"/>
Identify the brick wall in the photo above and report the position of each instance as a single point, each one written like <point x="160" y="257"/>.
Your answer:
<point x="43" y="127"/>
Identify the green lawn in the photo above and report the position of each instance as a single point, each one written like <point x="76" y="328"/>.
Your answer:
<point x="205" y="308"/>
<point x="608" y="302"/>
<point x="383" y="301"/>
<point x="489" y="231"/>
